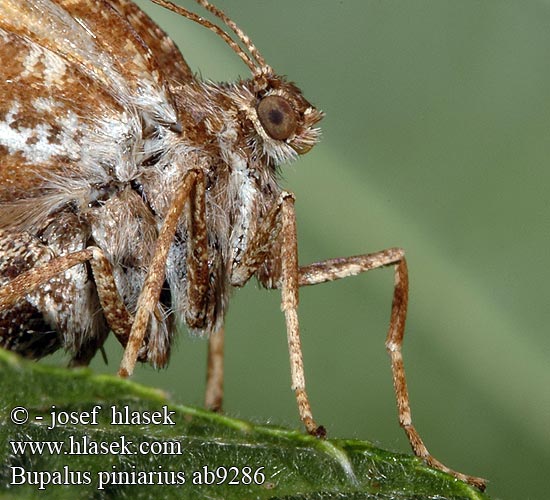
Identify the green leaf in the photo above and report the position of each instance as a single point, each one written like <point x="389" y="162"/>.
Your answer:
<point x="266" y="461"/>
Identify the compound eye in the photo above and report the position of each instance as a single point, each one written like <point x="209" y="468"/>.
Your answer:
<point x="277" y="117"/>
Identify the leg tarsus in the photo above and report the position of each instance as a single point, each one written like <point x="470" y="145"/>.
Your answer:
<point x="213" y="399"/>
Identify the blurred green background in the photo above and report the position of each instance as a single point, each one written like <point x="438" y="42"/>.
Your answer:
<point x="436" y="139"/>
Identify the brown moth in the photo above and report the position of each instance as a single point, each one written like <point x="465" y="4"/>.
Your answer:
<point x="134" y="196"/>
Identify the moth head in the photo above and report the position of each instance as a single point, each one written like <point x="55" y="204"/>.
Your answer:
<point x="282" y="117"/>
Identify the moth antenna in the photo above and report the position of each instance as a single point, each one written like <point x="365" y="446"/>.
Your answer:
<point x="256" y="63"/>
<point x="241" y="35"/>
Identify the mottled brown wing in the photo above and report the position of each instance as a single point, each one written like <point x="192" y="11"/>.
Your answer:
<point x="60" y="131"/>
<point x="93" y="36"/>
<point x="167" y="55"/>
<point x="77" y="86"/>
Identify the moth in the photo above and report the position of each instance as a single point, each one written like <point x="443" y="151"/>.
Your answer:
<point x="134" y="196"/>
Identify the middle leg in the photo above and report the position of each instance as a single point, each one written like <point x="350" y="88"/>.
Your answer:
<point x="273" y="255"/>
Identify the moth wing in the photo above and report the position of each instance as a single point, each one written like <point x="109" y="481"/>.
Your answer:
<point x="165" y="51"/>
<point x="60" y="131"/>
<point x="77" y="87"/>
<point x="101" y="43"/>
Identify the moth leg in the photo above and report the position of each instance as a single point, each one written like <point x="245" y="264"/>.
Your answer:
<point x="213" y="398"/>
<point x="280" y="221"/>
<point x="198" y="277"/>
<point x="26" y="282"/>
<point x="150" y="293"/>
<point x="197" y="272"/>
<point x="118" y="317"/>
<point x="260" y="245"/>
<point x="115" y="312"/>
<point x="197" y="255"/>
<point x="333" y="269"/>
<point x="289" y="290"/>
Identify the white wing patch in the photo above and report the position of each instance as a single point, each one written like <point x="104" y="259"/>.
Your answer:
<point x="34" y="144"/>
